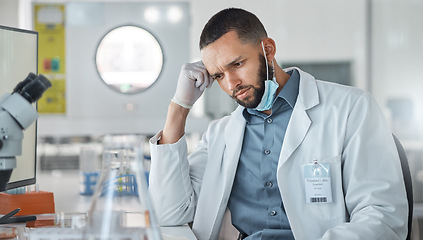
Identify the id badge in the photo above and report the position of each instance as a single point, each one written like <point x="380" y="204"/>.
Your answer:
<point x="318" y="187"/>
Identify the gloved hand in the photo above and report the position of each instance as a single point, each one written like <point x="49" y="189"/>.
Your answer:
<point x="192" y="81"/>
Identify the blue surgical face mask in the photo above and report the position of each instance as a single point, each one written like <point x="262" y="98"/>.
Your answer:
<point x="270" y="88"/>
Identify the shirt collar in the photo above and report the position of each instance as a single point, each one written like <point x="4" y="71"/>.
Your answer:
<point x="290" y="90"/>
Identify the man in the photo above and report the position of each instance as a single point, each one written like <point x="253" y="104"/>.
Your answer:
<point x="299" y="158"/>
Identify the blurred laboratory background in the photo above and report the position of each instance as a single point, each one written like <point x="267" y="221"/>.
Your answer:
<point x="92" y="50"/>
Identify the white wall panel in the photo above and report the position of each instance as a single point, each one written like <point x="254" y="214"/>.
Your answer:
<point x="94" y="108"/>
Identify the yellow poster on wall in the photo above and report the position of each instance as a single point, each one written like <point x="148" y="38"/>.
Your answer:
<point x="49" y="22"/>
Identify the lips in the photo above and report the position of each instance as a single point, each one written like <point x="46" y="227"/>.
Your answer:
<point x="241" y="94"/>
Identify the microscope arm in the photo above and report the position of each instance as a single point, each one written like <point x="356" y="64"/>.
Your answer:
<point x="16" y="114"/>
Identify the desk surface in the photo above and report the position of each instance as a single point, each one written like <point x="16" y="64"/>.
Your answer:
<point x="65" y="186"/>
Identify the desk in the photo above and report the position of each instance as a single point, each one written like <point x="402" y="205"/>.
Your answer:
<point x="168" y="233"/>
<point x="65" y="186"/>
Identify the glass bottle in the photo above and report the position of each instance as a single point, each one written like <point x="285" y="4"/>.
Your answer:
<point x="121" y="208"/>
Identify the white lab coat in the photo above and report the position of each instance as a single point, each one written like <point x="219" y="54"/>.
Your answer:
<point x="334" y="124"/>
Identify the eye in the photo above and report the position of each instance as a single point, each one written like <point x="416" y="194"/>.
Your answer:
<point x="238" y="64"/>
<point x="217" y="76"/>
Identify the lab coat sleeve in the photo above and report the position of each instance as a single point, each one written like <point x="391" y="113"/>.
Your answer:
<point x="374" y="189"/>
<point x="174" y="185"/>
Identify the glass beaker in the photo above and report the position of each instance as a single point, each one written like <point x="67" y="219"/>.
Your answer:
<point x="88" y="170"/>
<point x="121" y="208"/>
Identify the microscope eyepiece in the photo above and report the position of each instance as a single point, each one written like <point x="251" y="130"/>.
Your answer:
<point x="31" y="76"/>
<point x="33" y="87"/>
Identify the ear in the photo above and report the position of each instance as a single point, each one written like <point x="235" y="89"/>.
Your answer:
<point x="270" y="48"/>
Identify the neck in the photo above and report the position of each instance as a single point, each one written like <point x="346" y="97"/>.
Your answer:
<point x="267" y="112"/>
<point x="281" y="77"/>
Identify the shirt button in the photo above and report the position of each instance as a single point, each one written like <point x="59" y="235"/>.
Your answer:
<point x="267" y="151"/>
<point x="269" y="184"/>
<point x="273" y="213"/>
<point x="269" y="120"/>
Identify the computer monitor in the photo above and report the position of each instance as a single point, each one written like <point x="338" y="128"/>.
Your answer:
<point x="19" y="57"/>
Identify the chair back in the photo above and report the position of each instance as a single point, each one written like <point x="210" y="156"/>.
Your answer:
<point x="408" y="184"/>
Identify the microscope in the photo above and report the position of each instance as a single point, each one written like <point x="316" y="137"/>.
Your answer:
<point x="16" y="115"/>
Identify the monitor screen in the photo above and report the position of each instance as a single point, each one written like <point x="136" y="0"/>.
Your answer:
<point x="19" y="57"/>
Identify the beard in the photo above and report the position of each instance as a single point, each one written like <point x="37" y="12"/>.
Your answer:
<point x="253" y="100"/>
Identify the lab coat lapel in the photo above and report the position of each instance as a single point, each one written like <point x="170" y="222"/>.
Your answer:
<point x="295" y="134"/>
<point x="234" y="134"/>
<point x="300" y="122"/>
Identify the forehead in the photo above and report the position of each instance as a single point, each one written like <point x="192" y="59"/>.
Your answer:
<point x="225" y="50"/>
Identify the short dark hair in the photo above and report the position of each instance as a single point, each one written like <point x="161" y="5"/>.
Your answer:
<point x="244" y="23"/>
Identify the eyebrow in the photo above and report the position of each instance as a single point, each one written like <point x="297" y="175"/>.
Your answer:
<point x="228" y="65"/>
<point x="233" y="62"/>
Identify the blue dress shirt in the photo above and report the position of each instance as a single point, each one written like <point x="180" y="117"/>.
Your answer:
<point x="255" y="203"/>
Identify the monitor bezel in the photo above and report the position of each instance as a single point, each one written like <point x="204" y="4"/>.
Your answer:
<point x="28" y="181"/>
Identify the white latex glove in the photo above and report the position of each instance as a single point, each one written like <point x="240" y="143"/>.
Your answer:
<point x="192" y="81"/>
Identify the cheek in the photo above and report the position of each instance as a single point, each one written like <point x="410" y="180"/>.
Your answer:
<point x="224" y="86"/>
<point x="251" y="74"/>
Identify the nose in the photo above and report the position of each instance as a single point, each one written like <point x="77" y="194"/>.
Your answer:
<point x="232" y="80"/>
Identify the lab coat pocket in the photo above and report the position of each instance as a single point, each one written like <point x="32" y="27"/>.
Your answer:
<point x="332" y="207"/>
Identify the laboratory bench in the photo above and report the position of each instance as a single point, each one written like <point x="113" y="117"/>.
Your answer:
<point x="67" y="198"/>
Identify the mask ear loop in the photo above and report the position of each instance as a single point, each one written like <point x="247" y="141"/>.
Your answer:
<point x="265" y="58"/>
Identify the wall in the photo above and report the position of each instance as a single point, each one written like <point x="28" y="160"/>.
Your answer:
<point x="397" y="63"/>
<point x="8" y="13"/>
<point x="92" y="107"/>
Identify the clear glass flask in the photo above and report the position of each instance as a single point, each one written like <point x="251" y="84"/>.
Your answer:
<point x="121" y="208"/>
